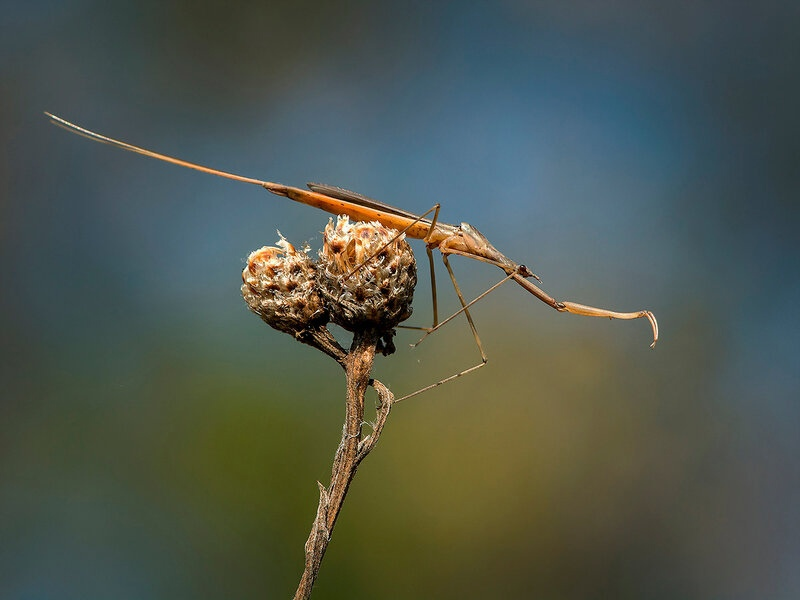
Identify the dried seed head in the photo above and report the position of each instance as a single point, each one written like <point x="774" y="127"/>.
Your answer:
<point x="280" y="287"/>
<point x="378" y="293"/>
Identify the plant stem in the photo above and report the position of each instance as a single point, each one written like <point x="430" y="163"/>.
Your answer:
<point x="351" y="451"/>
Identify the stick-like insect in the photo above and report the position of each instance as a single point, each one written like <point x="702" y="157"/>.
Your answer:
<point x="460" y="240"/>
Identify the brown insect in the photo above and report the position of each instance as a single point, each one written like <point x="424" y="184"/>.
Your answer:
<point x="461" y="240"/>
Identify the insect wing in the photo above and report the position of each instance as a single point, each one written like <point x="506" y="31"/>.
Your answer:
<point x="356" y="198"/>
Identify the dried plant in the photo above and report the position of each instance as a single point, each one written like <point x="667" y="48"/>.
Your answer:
<point x="363" y="281"/>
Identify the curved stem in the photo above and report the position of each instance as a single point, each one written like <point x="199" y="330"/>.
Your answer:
<point x="351" y="451"/>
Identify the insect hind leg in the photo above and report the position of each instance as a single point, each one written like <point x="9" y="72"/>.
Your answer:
<point x="465" y="309"/>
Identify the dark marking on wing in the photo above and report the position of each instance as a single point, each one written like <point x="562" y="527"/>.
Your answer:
<point x="356" y="198"/>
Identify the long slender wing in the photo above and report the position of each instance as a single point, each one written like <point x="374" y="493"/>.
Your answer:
<point x="356" y="198"/>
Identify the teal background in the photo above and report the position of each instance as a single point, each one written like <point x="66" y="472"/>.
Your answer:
<point x="158" y="441"/>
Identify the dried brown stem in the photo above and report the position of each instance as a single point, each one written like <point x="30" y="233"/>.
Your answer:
<point x="351" y="451"/>
<point x="322" y="339"/>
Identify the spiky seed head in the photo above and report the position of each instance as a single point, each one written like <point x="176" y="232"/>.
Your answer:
<point x="280" y="287"/>
<point x="377" y="293"/>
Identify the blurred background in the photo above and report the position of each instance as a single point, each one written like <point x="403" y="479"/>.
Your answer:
<point x="158" y="441"/>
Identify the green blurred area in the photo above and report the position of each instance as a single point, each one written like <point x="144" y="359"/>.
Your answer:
<point x="201" y="478"/>
<point x="158" y="441"/>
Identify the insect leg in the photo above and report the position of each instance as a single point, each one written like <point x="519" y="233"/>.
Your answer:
<point x="435" y="325"/>
<point x="433" y="288"/>
<point x="435" y="208"/>
<point x="465" y="309"/>
<point x="426" y="239"/>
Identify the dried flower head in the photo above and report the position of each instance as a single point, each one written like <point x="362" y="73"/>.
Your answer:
<point x="280" y="287"/>
<point x="377" y="293"/>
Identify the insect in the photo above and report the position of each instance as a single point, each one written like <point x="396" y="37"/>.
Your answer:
<point x="460" y="240"/>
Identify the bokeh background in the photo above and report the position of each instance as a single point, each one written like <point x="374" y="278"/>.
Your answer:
<point x="158" y="441"/>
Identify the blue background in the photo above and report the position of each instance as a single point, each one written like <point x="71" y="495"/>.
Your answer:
<point x="158" y="441"/>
